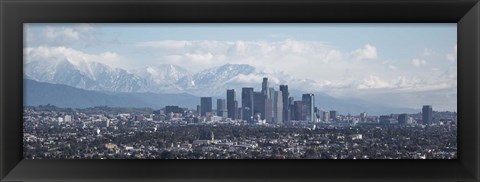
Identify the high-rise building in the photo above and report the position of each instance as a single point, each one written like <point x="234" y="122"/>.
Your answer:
<point x="297" y="110"/>
<point x="238" y="111"/>
<point x="333" y="115"/>
<point x="247" y="104"/>
<point x="269" y="111"/>
<point x="263" y="106"/>
<point x="318" y="113"/>
<point x="277" y="107"/>
<point x="427" y="112"/>
<point x="265" y="88"/>
<point x="308" y="108"/>
<point x="325" y="116"/>
<point x="205" y="105"/>
<point x="221" y="107"/>
<point x="363" y="117"/>
<point x="198" y="109"/>
<point x="231" y="108"/>
<point x="402" y="119"/>
<point x="271" y="91"/>
<point x="286" y="103"/>
<point x="291" y="108"/>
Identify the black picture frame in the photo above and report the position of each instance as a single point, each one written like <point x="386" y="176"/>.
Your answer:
<point x="466" y="13"/>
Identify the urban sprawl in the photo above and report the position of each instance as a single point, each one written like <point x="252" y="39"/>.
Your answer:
<point x="267" y="125"/>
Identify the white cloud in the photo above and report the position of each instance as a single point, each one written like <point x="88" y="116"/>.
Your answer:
<point x="428" y="52"/>
<point x="202" y="58"/>
<point x="372" y="85"/>
<point x="170" y="45"/>
<point x="367" y="52"/>
<point x="287" y="55"/>
<point x="248" y="79"/>
<point x="452" y="57"/>
<point x="79" y="34"/>
<point x="418" y="62"/>
<point x="76" y="57"/>
<point x="373" y="82"/>
<point x="64" y="33"/>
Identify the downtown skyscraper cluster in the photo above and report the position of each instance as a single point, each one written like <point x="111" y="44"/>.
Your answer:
<point x="267" y="105"/>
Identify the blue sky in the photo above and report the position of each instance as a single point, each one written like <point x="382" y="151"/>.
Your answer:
<point x="410" y="38"/>
<point x="354" y="60"/>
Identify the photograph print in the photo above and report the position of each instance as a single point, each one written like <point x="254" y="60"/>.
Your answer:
<point x="239" y="91"/>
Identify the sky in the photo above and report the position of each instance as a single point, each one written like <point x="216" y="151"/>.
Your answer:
<point x="402" y="64"/>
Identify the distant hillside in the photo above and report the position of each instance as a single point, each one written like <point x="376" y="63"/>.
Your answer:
<point x="38" y="93"/>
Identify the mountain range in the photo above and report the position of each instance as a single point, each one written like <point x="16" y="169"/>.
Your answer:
<point x="165" y="78"/>
<point x="86" y="83"/>
<point x="40" y="93"/>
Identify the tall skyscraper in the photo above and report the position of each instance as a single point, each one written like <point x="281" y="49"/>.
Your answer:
<point x="402" y="119"/>
<point x="333" y="115"/>
<point x="325" y="116"/>
<point x="238" y="111"/>
<point x="308" y="107"/>
<point x="269" y="110"/>
<point x="277" y="107"/>
<point x="263" y="106"/>
<point x="221" y="107"/>
<point x="231" y="108"/>
<point x="265" y="87"/>
<point x="205" y="105"/>
<point x="297" y="110"/>
<point x="198" y="108"/>
<point x="291" y="108"/>
<point x="247" y="104"/>
<point x="427" y="112"/>
<point x="271" y="91"/>
<point x="285" y="102"/>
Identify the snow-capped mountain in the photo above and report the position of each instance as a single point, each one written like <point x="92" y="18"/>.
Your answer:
<point x="214" y="81"/>
<point x="216" y="75"/>
<point x="165" y="78"/>
<point x="86" y="75"/>
<point x="162" y="74"/>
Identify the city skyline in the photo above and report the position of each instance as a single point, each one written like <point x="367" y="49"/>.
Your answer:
<point x="267" y="106"/>
<point x="397" y="65"/>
